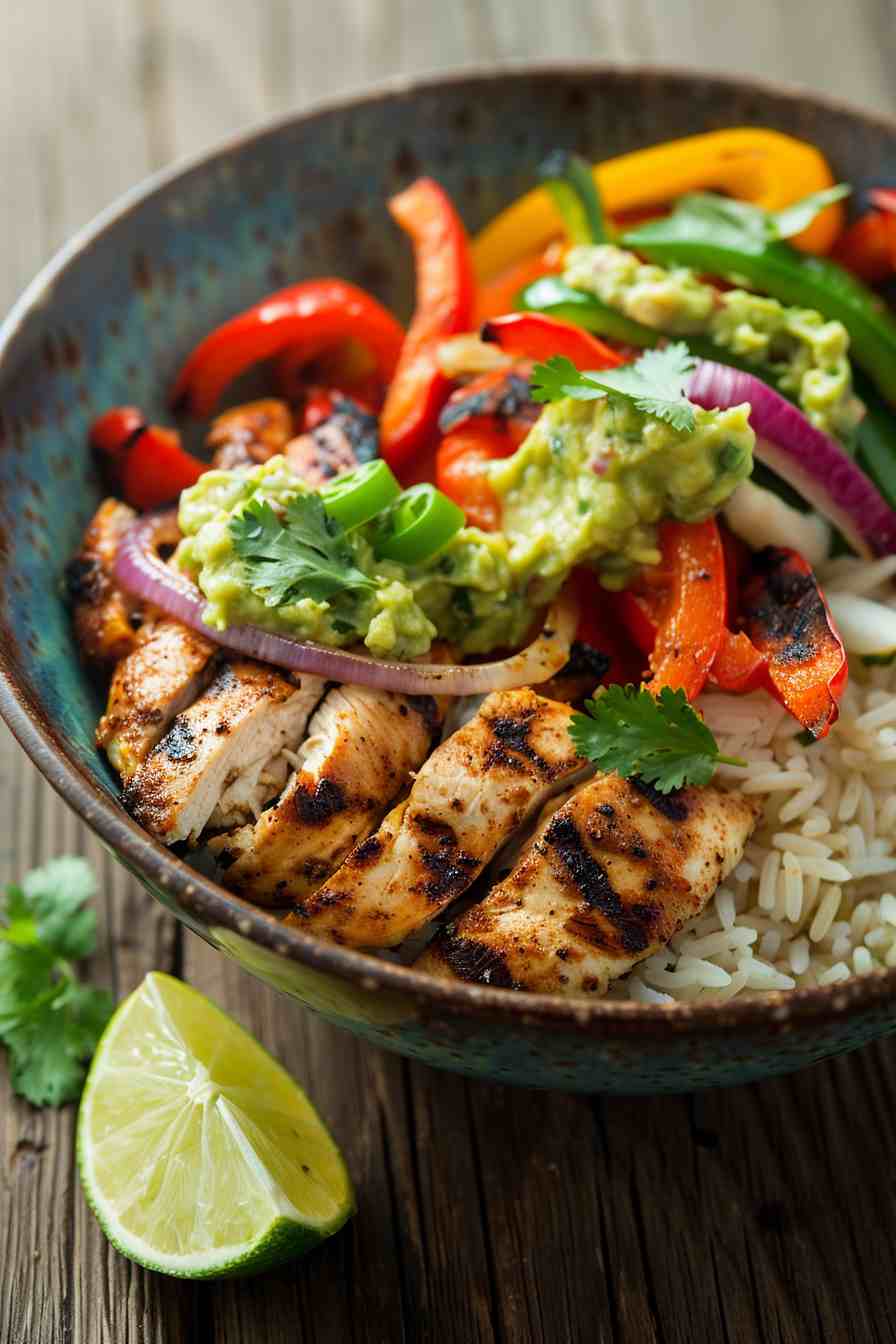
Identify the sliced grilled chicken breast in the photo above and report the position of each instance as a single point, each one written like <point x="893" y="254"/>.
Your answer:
<point x="609" y="878"/>
<point x="163" y="675"/>
<point x="475" y="790"/>
<point x="249" y="434"/>
<point x="361" y="748"/>
<point x="100" y="610"/>
<point x="224" y="752"/>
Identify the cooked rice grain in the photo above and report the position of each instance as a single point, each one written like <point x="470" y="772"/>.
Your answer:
<point x="812" y="902"/>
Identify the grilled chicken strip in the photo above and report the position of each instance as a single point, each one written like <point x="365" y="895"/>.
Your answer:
<point x="475" y="790"/>
<point x="349" y="436"/>
<point x="608" y="879"/>
<point x="169" y="667"/>
<point x="222" y="758"/>
<point x="249" y="434"/>
<point x="361" y="748"/>
<point x="102" y="613"/>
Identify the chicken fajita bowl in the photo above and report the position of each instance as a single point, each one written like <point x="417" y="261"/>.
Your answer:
<point x="500" y="652"/>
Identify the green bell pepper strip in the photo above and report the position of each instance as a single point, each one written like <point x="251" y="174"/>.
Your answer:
<point x="570" y="181"/>
<point x="556" y="298"/>
<point x="876" y="442"/>
<point x="420" y="522"/>
<point x="688" y="238"/>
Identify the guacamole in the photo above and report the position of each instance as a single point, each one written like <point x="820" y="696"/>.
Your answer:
<point x="808" y="354"/>
<point x="588" y="485"/>
<point x="466" y="594"/>
<point x="593" y="478"/>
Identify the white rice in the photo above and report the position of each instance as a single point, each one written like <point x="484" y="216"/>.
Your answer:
<point x="813" y="901"/>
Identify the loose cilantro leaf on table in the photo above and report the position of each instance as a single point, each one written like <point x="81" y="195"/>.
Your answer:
<point x="49" y="1021"/>
<point x="302" y="554"/>
<point x="654" y="384"/>
<point x="660" y="738"/>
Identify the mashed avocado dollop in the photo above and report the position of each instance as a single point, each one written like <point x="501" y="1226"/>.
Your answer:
<point x="593" y="478"/>
<point x="588" y="486"/>
<point x="808" y="354"/>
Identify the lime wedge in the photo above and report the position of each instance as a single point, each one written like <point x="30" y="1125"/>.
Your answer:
<point x="198" y="1153"/>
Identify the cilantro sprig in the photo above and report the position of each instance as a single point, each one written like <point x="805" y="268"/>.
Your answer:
<point x="659" y="738"/>
<point x="706" y="217"/>
<point x="50" y="1021"/>
<point x="654" y="383"/>
<point x="302" y="554"/>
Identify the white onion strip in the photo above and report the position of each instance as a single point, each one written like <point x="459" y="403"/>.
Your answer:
<point x="815" y="465"/>
<point x="140" y="569"/>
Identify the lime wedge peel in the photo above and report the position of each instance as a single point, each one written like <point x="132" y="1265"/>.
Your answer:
<point x="198" y="1153"/>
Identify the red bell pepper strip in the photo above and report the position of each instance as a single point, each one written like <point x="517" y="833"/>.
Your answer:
<point x="308" y="318"/>
<point x="785" y="616"/>
<point x="348" y="369"/>
<point x="155" y="468"/>
<point x="868" y="247"/>
<point x="502" y="395"/>
<point x="738" y="666"/>
<point x="444" y="307"/>
<point x="883" y="198"/>
<point x="498" y="296"/>
<point x="637" y="612"/>
<point x="460" y="459"/>
<point x="111" y="431"/>
<point x="599" y="629"/>
<point x="537" y="336"/>
<point x="145" y="462"/>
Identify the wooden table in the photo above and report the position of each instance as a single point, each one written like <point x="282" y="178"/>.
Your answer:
<point x="485" y="1213"/>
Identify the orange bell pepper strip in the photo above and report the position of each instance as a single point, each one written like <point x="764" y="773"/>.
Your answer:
<point x="307" y="318"/>
<point x="692" y="611"/>
<point x="750" y="163"/>
<point x="537" y="336"/>
<point x="785" y="616"/>
<point x="460" y="459"/>
<point x="675" y="613"/>
<point x="444" y="307"/>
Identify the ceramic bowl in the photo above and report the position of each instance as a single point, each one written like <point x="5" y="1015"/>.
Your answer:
<point x="109" y="320"/>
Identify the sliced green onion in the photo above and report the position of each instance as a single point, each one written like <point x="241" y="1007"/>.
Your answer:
<point x="571" y="183"/>
<point x="420" y="522"/>
<point x="361" y="494"/>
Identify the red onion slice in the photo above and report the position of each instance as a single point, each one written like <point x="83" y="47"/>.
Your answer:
<point x="803" y="456"/>
<point x="140" y="569"/>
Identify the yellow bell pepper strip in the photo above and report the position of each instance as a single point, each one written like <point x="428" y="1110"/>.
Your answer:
<point x="750" y="163"/>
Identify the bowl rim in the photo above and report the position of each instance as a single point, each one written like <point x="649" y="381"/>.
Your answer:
<point x="203" y="901"/>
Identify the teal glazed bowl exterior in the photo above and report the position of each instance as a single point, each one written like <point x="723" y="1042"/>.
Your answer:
<point x="110" y="320"/>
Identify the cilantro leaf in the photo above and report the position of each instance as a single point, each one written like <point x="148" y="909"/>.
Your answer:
<point x="794" y="218"/>
<point x="302" y="554"/>
<point x="660" y="738"/>
<point x="654" y="384"/>
<point x="705" y="217"/>
<point x="49" y="1021"/>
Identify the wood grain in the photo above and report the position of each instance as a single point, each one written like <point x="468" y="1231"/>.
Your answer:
<point x="485" y="1214"/>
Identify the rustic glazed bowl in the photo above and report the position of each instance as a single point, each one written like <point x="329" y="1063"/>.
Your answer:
<point x="109" y="321"/>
